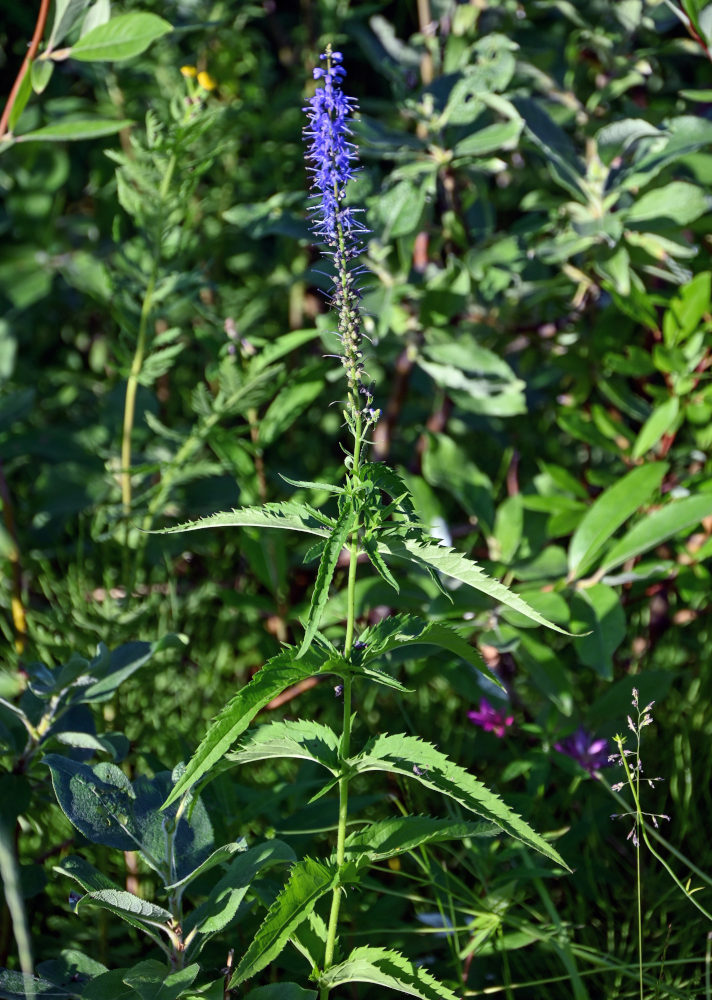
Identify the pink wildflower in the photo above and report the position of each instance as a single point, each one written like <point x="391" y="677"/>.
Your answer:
<point x="490" y="719"/>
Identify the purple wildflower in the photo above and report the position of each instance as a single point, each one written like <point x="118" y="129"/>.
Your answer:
<point x="590" y="753"/>
<point x="490" y="719"/>
<point x="332" y="157"/>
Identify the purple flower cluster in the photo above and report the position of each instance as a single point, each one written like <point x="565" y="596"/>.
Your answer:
<point x="331" y="154"/>
<point x="590" y="753"/>
<point x="331" y="158"/>
<point x="490" y="719"/>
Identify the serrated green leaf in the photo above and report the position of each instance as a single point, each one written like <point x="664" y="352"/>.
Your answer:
<point x="384" y="967"/>
<point x="448" y="561"/>
<point x="413" y="758"/>
<point x="614" y="506"/>
<point x="306" y="484"/>
<point x="658" y="527"/>
<point x="69" y="131"/>
<point x="218" y="857"/>
<point x="280" y="672"/>
<point x="390" y="837"/>
<point x="123" y="37"/>
<point x="228" y="893"/>
<point x="290" y="516"/>
<point x="23" y="986"/>
<point x="308" y="882"/>
<point x="301" y="739"/>
<point x="320" y="594"/>
<point x="379" y="564"/>
<point x="399" y="631"/>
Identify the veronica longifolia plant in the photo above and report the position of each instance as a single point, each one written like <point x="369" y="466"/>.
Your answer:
<point x="374" y="516"/>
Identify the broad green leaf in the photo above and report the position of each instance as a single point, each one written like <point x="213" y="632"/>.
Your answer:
<point x="657" y="527"/>
<point x="614" y="506"/>
<point x="88" y="877"/>
<point x="546" y="670"/>
<point x="503" y="135"/>
<point x="389" y="837"/>
<point x="281" y="672"/>
<point x="69" y="131"/>
<point x="299" y="393"/>
<point x="384" y="967"/>
<point x="98" y="807"/>
<point x="413" y="758"/>
<point x="302" y="739"/>
<point x="149" y="980"/>
<point x="283" y="345"/>
<point x="308" y="882"/>
<point x="41" y="73"/>
<point x="122" y="37"/>
<point x="23" y="986"/>
<point x="98" y="13"/>
<point x="110" y="669"/>
<point x="223" y="854"/>
<point x="126" y="905"/>
<point x="290" y="516"/>
<point x="409" y="630"/>
<point x="320" y="594"/>
<point x="564" y="165"/>
<point x="281" y="991"/>
<point x="658" y="423"/>
<point x="678" y="202"/>
<point x="228" y="893"/>
<point x="310" y="937"/>
<point x="598" y="608"/>
<point x="66" y="15"/>
<point x="454" y="564"/>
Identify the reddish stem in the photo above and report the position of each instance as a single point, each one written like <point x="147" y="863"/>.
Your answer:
<point x="31" y="53"/>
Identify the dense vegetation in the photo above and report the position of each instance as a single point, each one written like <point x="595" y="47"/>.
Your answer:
<point x="499" y="518"/>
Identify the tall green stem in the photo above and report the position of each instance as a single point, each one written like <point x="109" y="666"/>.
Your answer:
<point x="139" y="353"/>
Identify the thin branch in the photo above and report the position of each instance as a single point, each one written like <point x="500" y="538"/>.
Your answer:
<point x="25" y="68"/>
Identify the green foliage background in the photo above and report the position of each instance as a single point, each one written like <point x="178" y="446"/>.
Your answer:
<point x="535" y="179"/>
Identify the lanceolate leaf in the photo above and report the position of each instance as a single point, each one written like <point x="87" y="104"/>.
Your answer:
<point x="413" y="758"/>
<point x="609" y="511"/>
<point x="384" y="967"/>
<point x="308" y="882"/>
<point x="228" y="893"/>
<point x="657" y="527"/>
<point x="122" y="37"/>
<point x="409" y="630"/>
<point x="379" y="564"/>
<point x="458" y="566"/>
<point x="330" y="556"/>
<point x="301" y="739"/>
<point x="281" y="672"/>
<point x="404" y="833"/>
<point x="290" y="516"/>
<point x="125" y="904"/>
<point x="224" y="853"/>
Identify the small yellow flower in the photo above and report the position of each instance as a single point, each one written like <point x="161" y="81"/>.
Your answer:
<point x="394" y="864"/>
<point x="189" y="71"/>
<point x="206" y="81"/>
